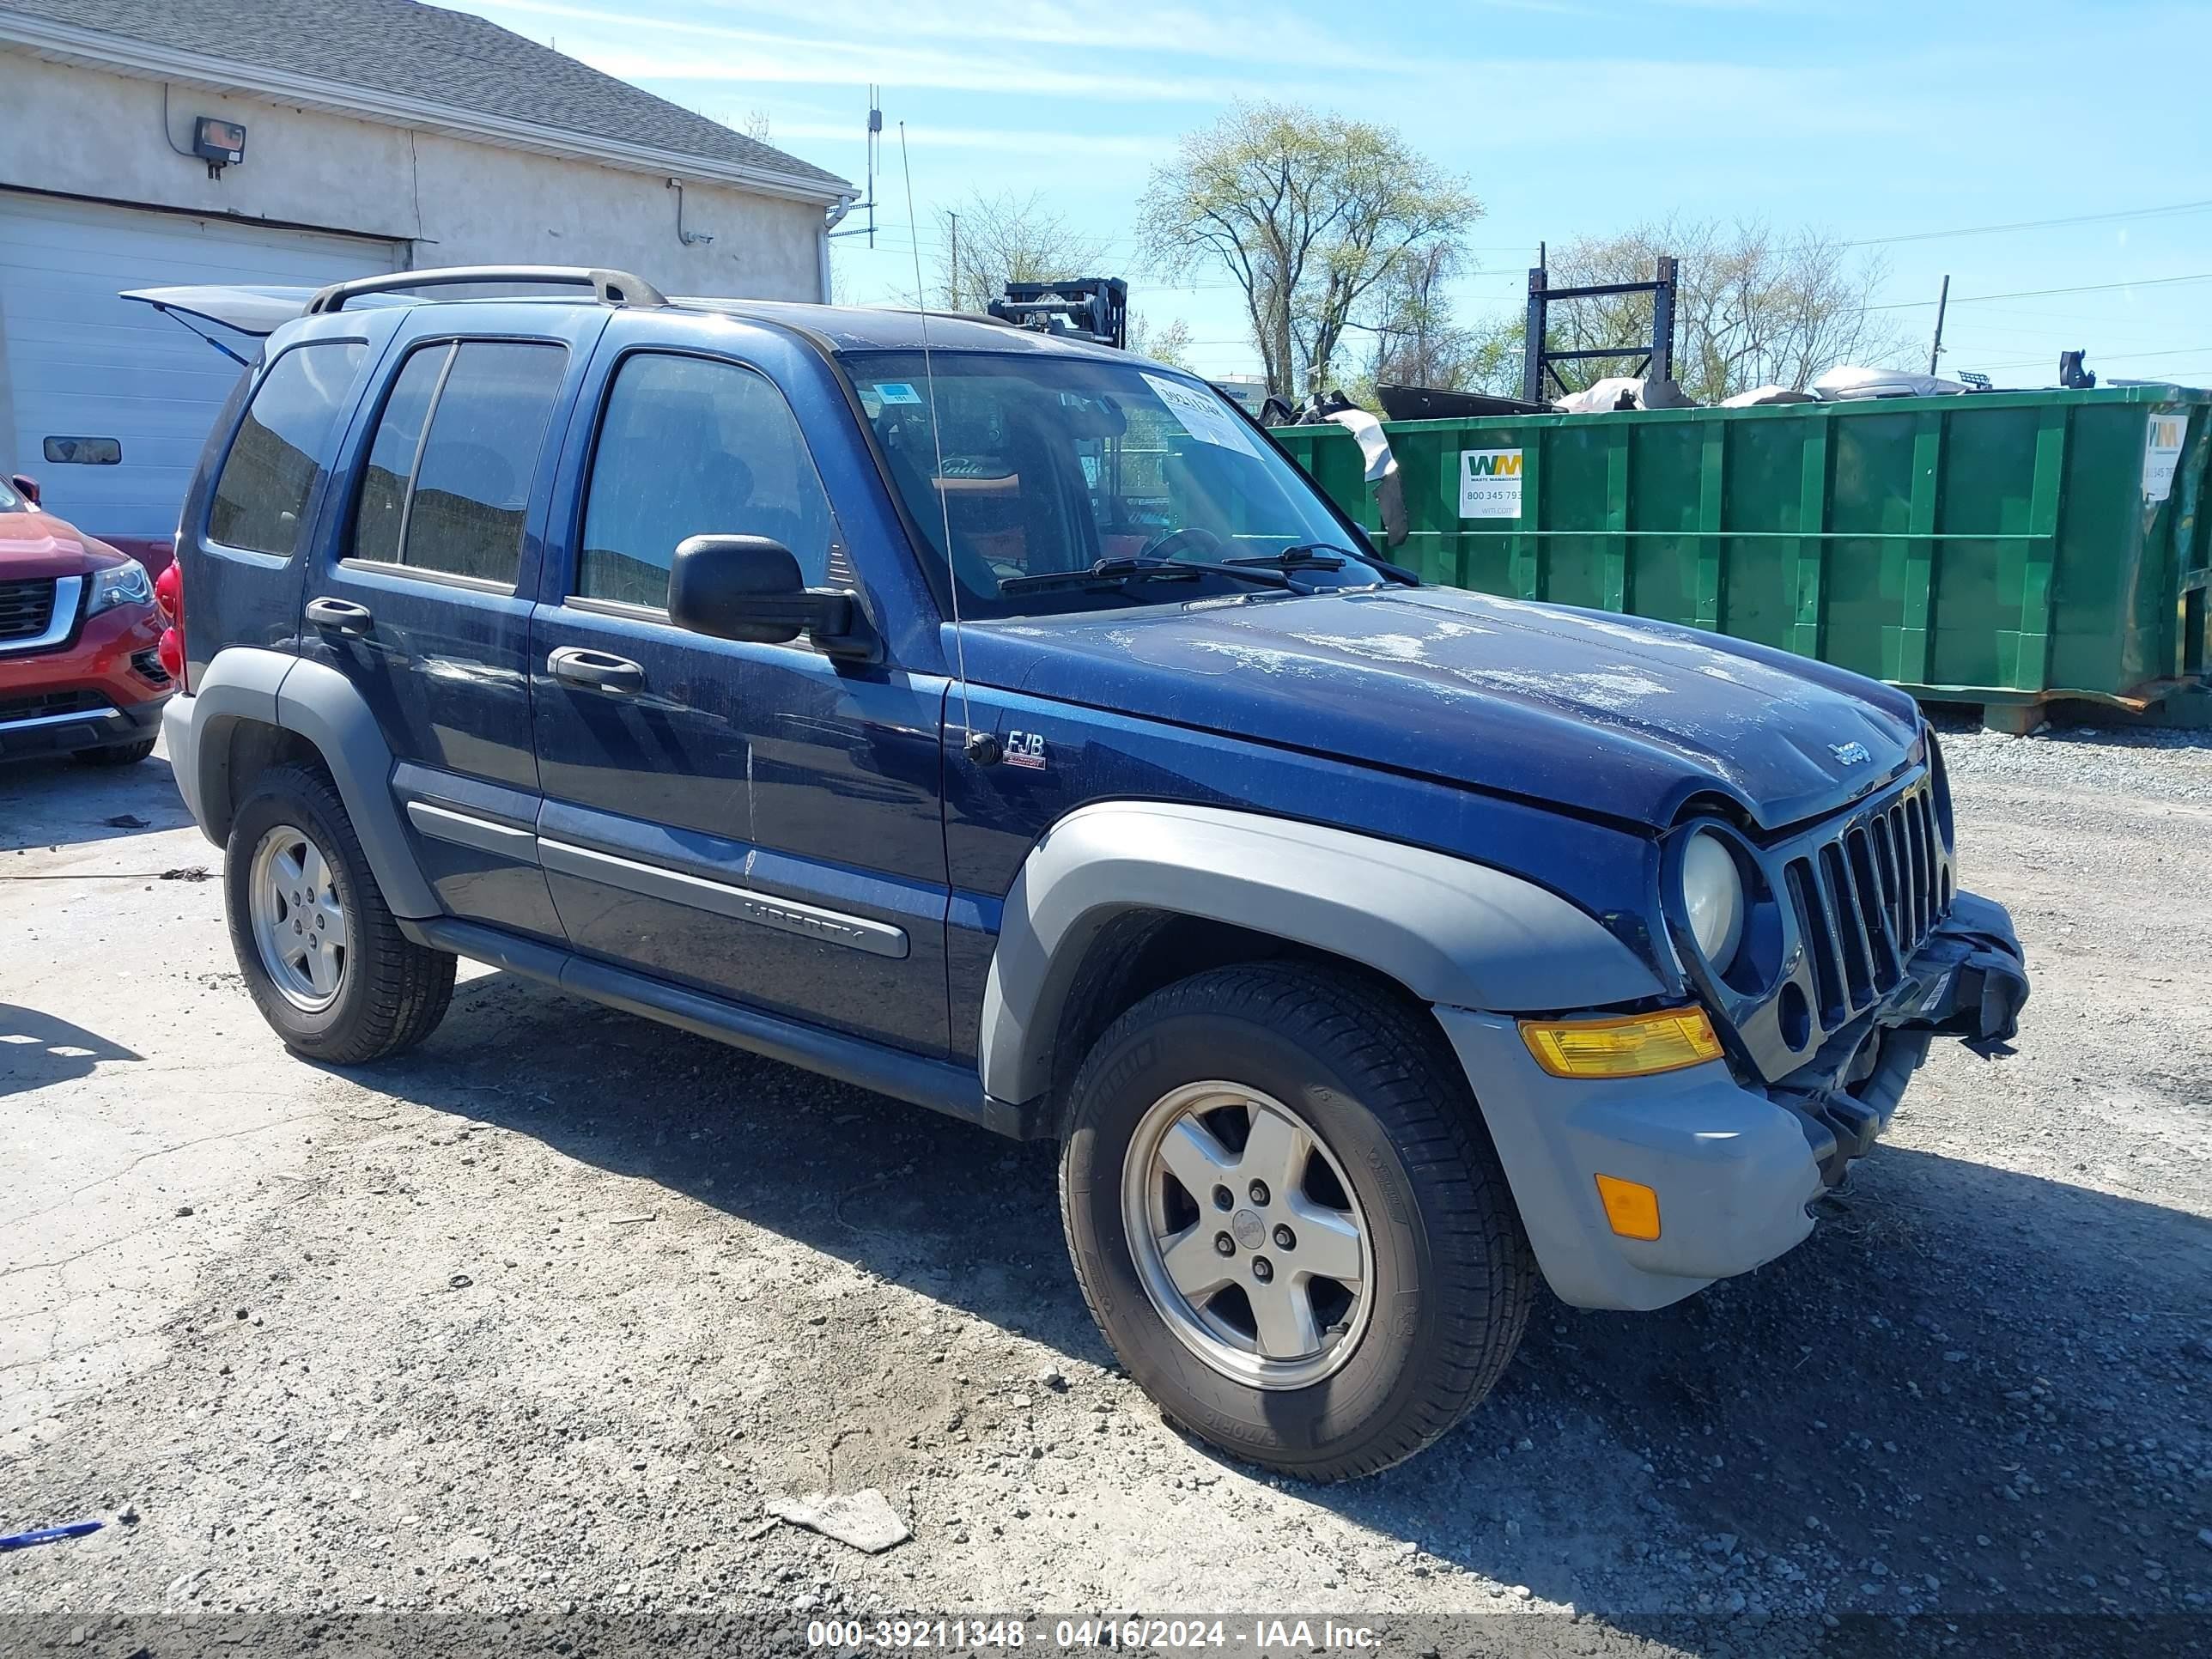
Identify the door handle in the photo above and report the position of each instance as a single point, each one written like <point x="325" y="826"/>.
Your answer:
<point x="340" y="616"/>
<point x="596" y="671"/>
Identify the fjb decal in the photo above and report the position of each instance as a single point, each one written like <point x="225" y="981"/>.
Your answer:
<point x="1025" y="749"/>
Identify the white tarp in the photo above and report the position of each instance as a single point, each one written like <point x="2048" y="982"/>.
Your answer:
<point x="1382" y="469"/>
<point x="1759" y="396"/>
<point x="1623" y="391"/>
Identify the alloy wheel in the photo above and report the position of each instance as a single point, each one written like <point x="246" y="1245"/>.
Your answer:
<point x="299" y="921"/>
<point x="1247" y="1235"/>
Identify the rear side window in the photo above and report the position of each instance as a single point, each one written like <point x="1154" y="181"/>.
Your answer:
<point x="261" y="496"/>
<point x="392" y="455"/>
<point x="694" y="447"/>
<point x="448" y="484"/>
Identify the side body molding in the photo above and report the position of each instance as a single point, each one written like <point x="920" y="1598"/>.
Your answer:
<point x="323" y="706"/>
<point x="1450" y="931"/>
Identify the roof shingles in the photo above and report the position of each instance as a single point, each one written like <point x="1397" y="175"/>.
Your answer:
<point x="449" y="57"/>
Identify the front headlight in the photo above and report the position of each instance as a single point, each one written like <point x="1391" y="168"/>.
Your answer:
<point x="122" y="584"/>
<point x="1712" y="895"/>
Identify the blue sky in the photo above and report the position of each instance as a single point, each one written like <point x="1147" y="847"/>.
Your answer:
<point x="1871" y="120"/>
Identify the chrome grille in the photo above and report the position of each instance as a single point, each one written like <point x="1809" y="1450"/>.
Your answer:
<point x="1866" y="898"/>
<point x="27" y="606"/>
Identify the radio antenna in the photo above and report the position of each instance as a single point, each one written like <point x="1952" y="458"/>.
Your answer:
<point x="875" y="166"/>
<point x="981" y="747"/>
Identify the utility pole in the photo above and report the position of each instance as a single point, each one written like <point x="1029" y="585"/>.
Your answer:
<point x="954" y="219"/>
<point x="1942" y="303"/>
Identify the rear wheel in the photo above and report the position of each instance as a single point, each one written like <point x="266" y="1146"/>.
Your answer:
<point x="1289" y="1220"/>
<point x="122" y="754"/>
<point x="321" y="954"/>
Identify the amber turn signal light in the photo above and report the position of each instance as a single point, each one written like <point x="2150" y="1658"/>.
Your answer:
<point x="1632" y="1209"/>
<point x="1635" y="1046"/>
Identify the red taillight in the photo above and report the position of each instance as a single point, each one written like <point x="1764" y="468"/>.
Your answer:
<point x="170" y="594"/>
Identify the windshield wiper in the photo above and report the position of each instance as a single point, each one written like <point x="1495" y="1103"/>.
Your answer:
<point x="1112" y="572"/>
<point x="1324" y="556"/>
<point x="1307" y="556"/>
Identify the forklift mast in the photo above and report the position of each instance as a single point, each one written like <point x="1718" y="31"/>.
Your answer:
<point x="1086" y="308"/>
<point x="1540" y="363"/>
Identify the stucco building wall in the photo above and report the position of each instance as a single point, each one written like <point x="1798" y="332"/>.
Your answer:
<point x="85" y="132"/>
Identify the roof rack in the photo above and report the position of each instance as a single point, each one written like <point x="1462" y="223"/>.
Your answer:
<point x="609" y="288"/>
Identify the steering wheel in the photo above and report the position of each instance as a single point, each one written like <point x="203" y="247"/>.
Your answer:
<point x="1194" y="536"/>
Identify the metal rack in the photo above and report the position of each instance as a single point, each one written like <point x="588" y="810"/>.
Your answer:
<point x="1658" y="353"/>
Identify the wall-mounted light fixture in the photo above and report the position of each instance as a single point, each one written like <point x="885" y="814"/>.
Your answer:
<point x="218" y="142"/>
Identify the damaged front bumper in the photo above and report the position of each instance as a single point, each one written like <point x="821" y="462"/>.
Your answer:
<point x="1736" y="1168"/>
<point x="1968" y="981"/>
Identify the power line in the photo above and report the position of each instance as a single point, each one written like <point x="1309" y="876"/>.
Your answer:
<point x="2114" y="356"/>
<point x="2042" y="293"/>
<point x="2036" y="224"/>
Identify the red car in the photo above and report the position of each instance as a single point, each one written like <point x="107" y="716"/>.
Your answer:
<point x="81" y="670"/>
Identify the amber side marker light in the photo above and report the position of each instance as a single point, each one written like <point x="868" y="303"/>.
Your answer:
<point x="1632" y="1209"/>
<point x="1635" y="1046"/>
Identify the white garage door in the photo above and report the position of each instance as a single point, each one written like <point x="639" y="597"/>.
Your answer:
<point x="86" y="378"/>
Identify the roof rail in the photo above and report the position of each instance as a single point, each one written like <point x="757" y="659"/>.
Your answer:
<point x="609" y="288"/>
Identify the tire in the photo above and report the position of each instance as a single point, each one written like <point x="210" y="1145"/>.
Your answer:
<point x="385" y="992"/>
<point x="125" y="754"/>
<point x="1447" y="1273"/>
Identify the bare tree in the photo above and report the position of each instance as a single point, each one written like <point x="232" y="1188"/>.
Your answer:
<point x="991" y="241"/>
<point x="1418" y="342"/>
<point x="1752" y="306"/>
<point x="1168" y="344"/>
<point x="1308" y="213"/>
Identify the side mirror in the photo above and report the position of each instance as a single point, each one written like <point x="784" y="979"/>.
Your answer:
<point x="749" y="588"/>
<point x="28" y="488"/>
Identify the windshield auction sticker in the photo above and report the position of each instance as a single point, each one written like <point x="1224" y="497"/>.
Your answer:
<point x="1205" y="418"/>
<point x="1490" y="484"/>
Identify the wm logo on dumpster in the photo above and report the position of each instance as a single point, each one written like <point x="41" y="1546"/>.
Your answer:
<point x="1490" y="484"/>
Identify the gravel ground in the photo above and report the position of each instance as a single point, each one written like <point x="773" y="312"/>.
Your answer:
<point x="540" y="1319"/>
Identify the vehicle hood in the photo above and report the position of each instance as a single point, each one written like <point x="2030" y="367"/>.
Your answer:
<point x="37" y="544"/>
<point x="1606" y="714"/>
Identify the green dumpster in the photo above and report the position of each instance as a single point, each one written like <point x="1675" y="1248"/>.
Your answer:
<point x="2001" y="548"/>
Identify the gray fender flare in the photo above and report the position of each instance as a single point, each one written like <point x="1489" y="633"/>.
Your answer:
<point x="324" y="706"/>
<point x="239" y="684"/>
<point x="1449" y="930"/>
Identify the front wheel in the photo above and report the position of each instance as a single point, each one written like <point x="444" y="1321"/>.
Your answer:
<point x="320" y="951"/>
<point x="1289" y="1220"/>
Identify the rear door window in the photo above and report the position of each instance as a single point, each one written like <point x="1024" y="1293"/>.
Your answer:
<point x="447" y="488"/>
<point x="261" y="496"/>
<point x="392" y="455"/>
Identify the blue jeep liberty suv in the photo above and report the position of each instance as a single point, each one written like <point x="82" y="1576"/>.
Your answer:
<point x="1002" y="722"/>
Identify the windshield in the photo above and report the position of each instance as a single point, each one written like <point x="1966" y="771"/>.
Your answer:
<point x="10" y="500"/>
<point x="1054" y="464"/>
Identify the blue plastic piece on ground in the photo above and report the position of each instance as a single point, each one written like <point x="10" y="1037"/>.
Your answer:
<point x="23" y="1540"/>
